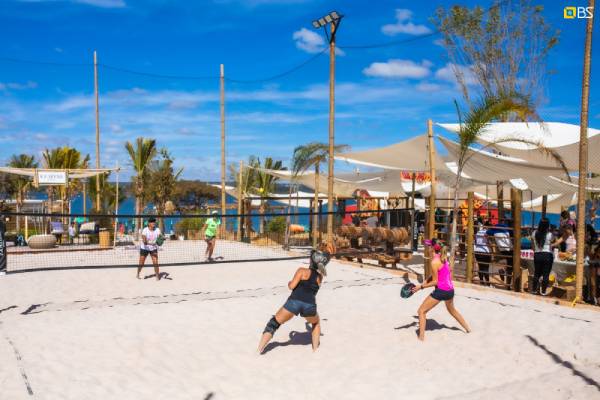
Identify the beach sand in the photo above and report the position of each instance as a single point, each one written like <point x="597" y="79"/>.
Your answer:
<point x="102" y="334"/>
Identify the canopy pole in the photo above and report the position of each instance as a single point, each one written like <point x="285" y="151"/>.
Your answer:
<point x="431" y="221"/>
<point x="544" y="205"/>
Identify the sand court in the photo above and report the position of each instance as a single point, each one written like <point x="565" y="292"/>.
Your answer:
<point x="103" y="334"/>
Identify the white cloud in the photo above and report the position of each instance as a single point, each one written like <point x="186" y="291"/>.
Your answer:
<point x="93" y="3"/>
<point x="309" y="41"/>
<point x="17" y="86"/>
<point x="439" y="42"/>
<point x="103" y="3"/>
<point x="404" y="25"/>
<point x="398" y="69"/>
<point x="428" y="87"/>
<point x="446" y="73"/>
<point x="312" y="42"/>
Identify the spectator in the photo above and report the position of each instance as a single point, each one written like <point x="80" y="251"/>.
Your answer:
<point x="2" y="246"/>
<point x="483" y="253"/>
<point x="72" y="232"/>
<point x="594" y="270"/>
<point x="504" y="247"/>
<point x="543" y="258"/>
<point x="567" y="242"/>
<point x="566" y="220"/>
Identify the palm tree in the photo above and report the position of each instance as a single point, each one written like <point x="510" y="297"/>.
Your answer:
<point x="22" y="184"/>
<point x="141" y="154"/>
<point x="313" y="155"/>
<point x="265" y="184"/>
<point x="162" y="180"/>
<point x="72" y="159"/>
<point x="583" y="153"/>
<point x="108" y="194"/>
<point x="489" y="109"/>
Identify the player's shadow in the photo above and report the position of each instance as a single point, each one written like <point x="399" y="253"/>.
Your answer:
<point x="564" y="363"/>
<point x="430" y="325"/>
<point x="295" y="339"/>
<point x="161" y="275"/>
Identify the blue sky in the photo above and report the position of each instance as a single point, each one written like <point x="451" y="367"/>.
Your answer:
<point x="383" y="95"/>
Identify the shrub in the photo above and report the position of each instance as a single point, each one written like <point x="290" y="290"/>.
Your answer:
<point x="276" y="225"/>
<point x="188" y="224"/>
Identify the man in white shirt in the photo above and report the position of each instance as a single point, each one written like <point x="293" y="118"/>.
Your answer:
<point x="149" y="247"/>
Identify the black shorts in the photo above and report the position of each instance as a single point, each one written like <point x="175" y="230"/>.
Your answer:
<point x="442" y="295"/>
<point x="209" y="239"/>
<point x="144" y="253"/>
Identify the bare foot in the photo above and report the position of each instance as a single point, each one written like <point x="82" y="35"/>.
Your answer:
<point x="422" y="339"/>
<point x="139" y="277"/>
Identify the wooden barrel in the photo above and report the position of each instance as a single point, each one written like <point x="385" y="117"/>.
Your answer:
<point x="380" y="234"/>
<point x="404" y="235"/>
<point x="400" y="235"/>
<point x="344" y="231"/>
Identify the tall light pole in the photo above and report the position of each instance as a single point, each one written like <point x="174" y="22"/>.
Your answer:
<point x="332" y="20"/>
<point x="97" y="131"/>
<point x="223" y="198"/>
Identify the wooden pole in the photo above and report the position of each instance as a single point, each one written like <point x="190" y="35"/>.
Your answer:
<point x="516" y="197"/>
<point x="413" y="230"/>
<point x="544" y="205"/>
<point x="97" y="130"/>
<point x="470" y="236"/>
<point x="431" y="222"/>
<point x="331" y="132"/>
<point x="85" y="197"/>
<point x="500" y="195"/>
<point x="583" y="156"/>
<point x="316" y="216"/>
<point x="223" y="197"/>
<point x="117" y="206"/>
<point x="240" y="199"/>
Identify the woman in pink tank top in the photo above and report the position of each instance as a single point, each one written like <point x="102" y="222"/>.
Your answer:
<point x="441" y="278"/>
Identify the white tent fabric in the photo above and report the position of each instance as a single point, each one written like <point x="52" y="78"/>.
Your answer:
<point x="562" y="138"/>
<point x="282" y="199"/>
<point x="345" y="184"/>
<point x="488" y="167"/>
<point x="73" y="173"/>
<point x="408" y="155"/>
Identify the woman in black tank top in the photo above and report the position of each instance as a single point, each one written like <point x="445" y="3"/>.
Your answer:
<point x="302" y="301"/>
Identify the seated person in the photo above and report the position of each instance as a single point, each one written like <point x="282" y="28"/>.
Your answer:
<point x="567" y="242"/>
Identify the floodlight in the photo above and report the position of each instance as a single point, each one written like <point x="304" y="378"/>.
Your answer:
<point x="334" y="15"/>
<point x="328" y="18"/>
<point x="322" y="21"/>
<point x="316" y="24"/>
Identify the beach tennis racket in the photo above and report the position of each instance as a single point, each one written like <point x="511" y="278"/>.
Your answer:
<point x="160" y="240"/>
<point x="406" y="290"/>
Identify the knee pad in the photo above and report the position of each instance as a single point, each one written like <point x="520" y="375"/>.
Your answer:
<point x="272" y="326"/>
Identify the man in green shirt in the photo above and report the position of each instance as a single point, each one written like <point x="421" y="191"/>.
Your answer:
<point x="210" y="234"/>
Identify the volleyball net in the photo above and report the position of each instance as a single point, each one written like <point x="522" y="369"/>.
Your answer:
<point x="38" y="241"/>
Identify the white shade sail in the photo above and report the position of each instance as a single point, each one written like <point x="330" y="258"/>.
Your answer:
<point x="562" y="138"/>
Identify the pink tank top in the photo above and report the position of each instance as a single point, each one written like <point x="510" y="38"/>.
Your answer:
<point x="444" y="279"/>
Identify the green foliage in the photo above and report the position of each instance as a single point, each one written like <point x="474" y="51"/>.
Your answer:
<point x="141" y="154"/>
<point x="276" y="225"/>
<point x="312" y="155"/>
<point x="162" y="180"/>
<point x="503" y="49"/>
<point x="108" y="193"/>
<point x="193" y="195"/>
<point x="189" y="224"/>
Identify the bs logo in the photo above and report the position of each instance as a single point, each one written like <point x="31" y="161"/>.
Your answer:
<point x="578" y="12"/>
